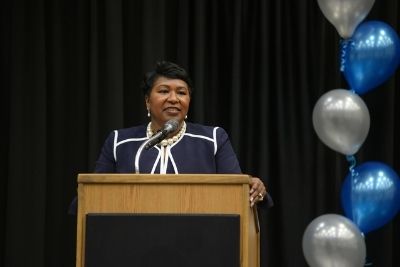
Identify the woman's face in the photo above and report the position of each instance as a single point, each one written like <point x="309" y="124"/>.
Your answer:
<point x="168" y="99"/>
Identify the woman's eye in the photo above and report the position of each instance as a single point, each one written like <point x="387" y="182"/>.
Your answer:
<point x="182" y="92"/>
<point x="163" y="91"/>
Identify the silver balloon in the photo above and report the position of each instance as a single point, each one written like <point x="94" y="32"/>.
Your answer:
<point x="341" y="120"/>
<point x="345" y="15"/>
<point x="333" y="240"/>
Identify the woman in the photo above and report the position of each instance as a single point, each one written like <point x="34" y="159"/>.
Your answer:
<point x="192" y="148"/>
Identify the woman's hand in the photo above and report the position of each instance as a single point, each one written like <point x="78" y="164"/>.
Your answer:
<point x="257" y="190"/>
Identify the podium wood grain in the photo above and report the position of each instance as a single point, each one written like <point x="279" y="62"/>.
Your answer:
<point x="182" y="194"/>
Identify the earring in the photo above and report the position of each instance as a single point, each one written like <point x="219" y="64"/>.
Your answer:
<point x="185" y="117"/>
<point x="148" y="113"/>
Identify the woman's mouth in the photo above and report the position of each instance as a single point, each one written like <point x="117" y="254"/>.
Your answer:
<point x="172" y="110"/>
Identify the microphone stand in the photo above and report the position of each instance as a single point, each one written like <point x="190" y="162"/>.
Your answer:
<point x="139" y="152"/>
<point x="169" y="127"/>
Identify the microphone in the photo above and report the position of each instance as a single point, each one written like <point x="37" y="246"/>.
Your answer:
<point x="169" y="127"/>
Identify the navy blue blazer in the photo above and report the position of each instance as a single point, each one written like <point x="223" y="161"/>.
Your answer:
<point x="202" y="149"/>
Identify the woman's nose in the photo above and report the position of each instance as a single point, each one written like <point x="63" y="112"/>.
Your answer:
<point x="173" y="97"/>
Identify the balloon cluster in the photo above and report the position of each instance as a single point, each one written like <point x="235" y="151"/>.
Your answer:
<point x="370" y="195"/>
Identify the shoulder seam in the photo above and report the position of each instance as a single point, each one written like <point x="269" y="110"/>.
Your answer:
<point x="200" y="136"/>
<point x="115" y="145"/>
<point x="215" y="140"/>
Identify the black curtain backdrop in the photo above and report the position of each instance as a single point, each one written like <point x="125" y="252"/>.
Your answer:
<point x="70" y="73"/>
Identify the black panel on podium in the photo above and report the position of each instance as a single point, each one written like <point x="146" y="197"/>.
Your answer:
<point x="147" y="240"/>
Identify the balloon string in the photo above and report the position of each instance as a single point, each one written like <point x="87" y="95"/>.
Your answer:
<point x="343" y="50"/>
<point x="352" y="161"/>
<point x="344" y="46"/>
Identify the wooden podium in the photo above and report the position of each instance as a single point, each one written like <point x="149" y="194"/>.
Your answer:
<point x="169" y="194"/>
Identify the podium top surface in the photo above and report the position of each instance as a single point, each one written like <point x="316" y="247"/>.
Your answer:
<point x="110" y="178"/>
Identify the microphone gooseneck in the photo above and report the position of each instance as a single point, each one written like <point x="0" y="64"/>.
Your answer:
<point x="169" y="127"/>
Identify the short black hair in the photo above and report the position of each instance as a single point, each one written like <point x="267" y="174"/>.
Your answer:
<point x="165" y="69"/>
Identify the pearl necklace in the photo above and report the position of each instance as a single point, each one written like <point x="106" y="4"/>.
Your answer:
<point x="171" y="140"/>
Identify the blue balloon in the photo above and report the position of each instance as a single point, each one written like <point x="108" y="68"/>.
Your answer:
<point x="372" y="197"/>
<point x="370" y="56"/>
